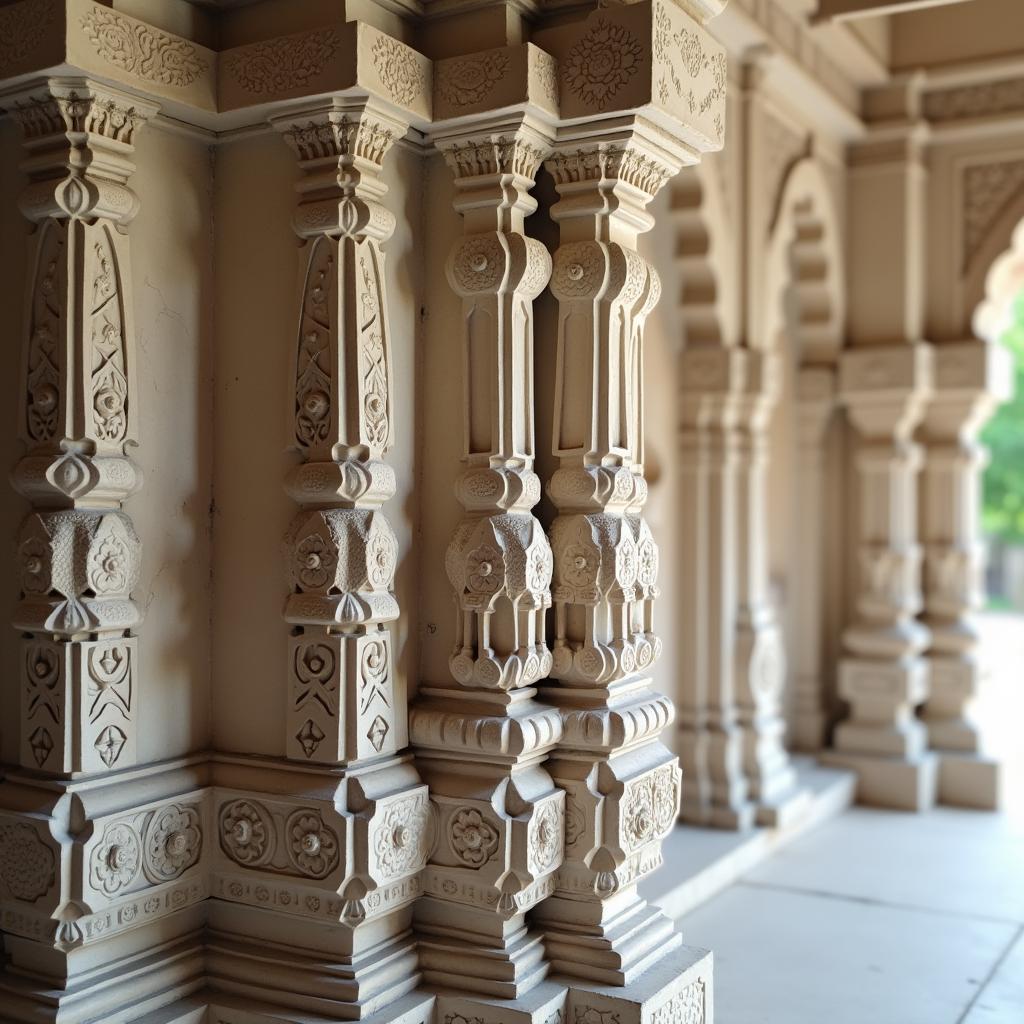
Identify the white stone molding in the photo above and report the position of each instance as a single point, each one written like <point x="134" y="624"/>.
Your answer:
<point x="883" y="676"/>
<point x="715" y="790"/>
<point x="970" y="378"/>
<point x="345" y="844"/>
<point x="481" y="743"/>
<point x="78" y="553"/>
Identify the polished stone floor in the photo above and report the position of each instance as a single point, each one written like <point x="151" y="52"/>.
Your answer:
<point x="878" y="917"/>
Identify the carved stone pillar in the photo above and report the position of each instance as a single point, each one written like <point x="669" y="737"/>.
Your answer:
<point x="760" y="653"/>
<point x="811" y="711"/>
<point x="319" y="860"/>
<point x="481" y="743"/>
<point x="715" y="789"/>
<point x="97" y="850"/>
<point x="970" y="378"/>
<point x="884" y="678"/>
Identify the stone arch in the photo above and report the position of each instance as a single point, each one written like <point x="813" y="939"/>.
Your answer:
<point x="803" y="319"/>
<point x="706" y="257"/>
<point x="989" y="269"/>
<point x="1003" y="277"/>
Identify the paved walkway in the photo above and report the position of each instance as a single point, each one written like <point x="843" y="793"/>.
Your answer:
<point x="886" y="918"/>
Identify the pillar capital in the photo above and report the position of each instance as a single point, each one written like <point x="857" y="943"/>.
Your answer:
<point x="885" y="387"/>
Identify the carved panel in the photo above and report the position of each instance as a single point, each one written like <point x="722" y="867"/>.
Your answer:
<point x="281" y="65"/>
<point x="988" y="189"/>
<point x="142" y="50"/>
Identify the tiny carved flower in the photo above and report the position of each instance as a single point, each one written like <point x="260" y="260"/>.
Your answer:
<point x="110" y="572"/>
<point x="579" y="568"/>
<point x="34" y="556"/>
<point x="244" y="832"/>
<point x="173" y="841"/>
<point x="115" y="861"/>
<point x="473" y="838"/>
<point x="313" y="847"/>
<point x="108" y="403"/>
<point x="484" y="570"/>
<point x="316" y="561"/>
<point x="316" y="405"/>
<point x="540" y="569"/>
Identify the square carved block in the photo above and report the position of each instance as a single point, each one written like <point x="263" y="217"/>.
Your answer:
<point x="78" y="704"/>
<point x="341" y="697"/>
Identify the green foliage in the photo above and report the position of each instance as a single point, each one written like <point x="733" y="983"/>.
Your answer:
<point x="1003" y="492"/>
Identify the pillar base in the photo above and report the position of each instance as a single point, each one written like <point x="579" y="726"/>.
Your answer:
<point x="784" y="810"/>
<point x="890" y="782"/>
<point x="130" y="989"/>
<point x="969" y="780"/>
<point x="415" y="1008"/>
<point x="543" y="1004"/>
<point x="679" y="988"/>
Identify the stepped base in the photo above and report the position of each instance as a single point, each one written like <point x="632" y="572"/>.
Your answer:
<point x="969" y="780"/>
<point x="678" y="988"/>
<point x="784" y="810"/>
<point x="903" y="785"/>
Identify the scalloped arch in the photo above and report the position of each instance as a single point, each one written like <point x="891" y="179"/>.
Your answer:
<point x="805" y="266"/>
<point x="996" y="275"/>
<point x="706" y="257"/>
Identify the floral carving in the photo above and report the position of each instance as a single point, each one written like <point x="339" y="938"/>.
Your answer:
<point x="43" y="383"/>
<point x="471" y="79"/>
<point x="602" y="63"/>
<point x="173" y="842"/>
<point x="485" y="570"/>
<point x="142" y="50"/>
<point x="277" y="65"/>
<point x="399" y="69"/>
<point x="546" y="837"/>
<point x="313" y="374"/>
<point x="315" y="559"/>
<point x="401" y="839"/>
<point x="109" y="380"/>
<point x="246" y="833"/>
<point x="649" y="807"/>
<point x="115" y="860"/>
<point x="26" y="862"/>
<point x="312" y="846"/>
<point x="685" y="1007"/>
<point x="473" y="839"/>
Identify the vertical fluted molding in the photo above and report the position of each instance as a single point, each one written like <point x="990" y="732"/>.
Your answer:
<point x="481" y="743"/>
<point x="622" y="784"/>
